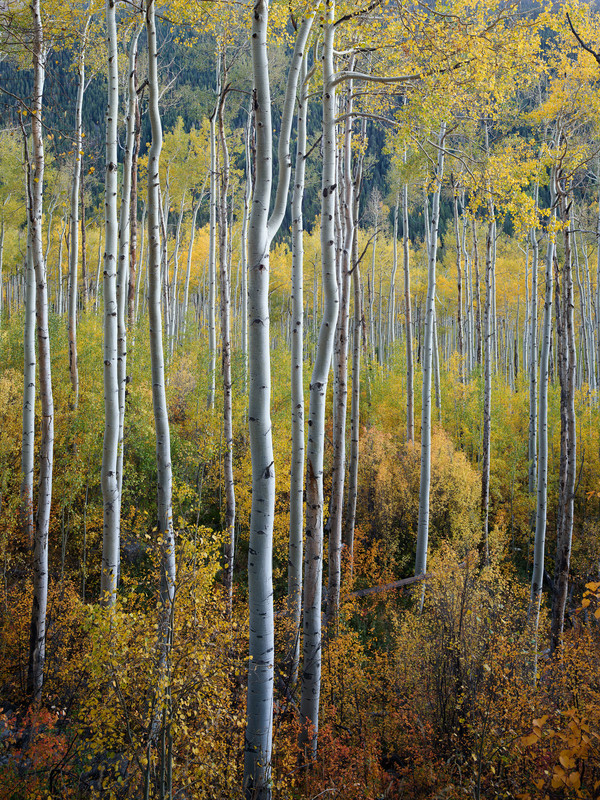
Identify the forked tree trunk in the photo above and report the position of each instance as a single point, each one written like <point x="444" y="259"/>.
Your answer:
<point x="259" y="726"/>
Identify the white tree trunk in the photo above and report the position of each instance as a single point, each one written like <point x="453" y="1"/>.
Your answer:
<point x="410" y="393"/>
<point x="124" y="253"/>
<point x="212" y="261"/>
<point x="74" y="222"/>
<point x="294" y="598"/>
<point x="28" y="438"/>
<point x="226" y="360"/>
<point x="341" y="373"/>
<point x="259" y="727"/>
<point x="313" y="559"/>
<point x="159" y="401"/>
<point x="37" y="640"/>
<point x="423" y="523"/>
<point x="109" y="477"/>
<point x="186" y="293"/>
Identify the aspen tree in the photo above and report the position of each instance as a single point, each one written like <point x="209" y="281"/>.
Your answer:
<point x="568" y="450"/>
<point x="212" y="252"/>
<point x="37" y="641"/>
<point x="262" y="228"/>
<point x="123" y="273"/>
<point x="109" y="476"/>
<point x="487" y="383"/>
<point x="294" y="598"/>
<point x="533" y="356"/>
<point x="357" y="324"/>
<point x="224" y="270"/>
<point x="29" y="364"/>
<point x="423" y="522"/>
<point x="340" y="365"/>
<point x="410" y="394"/>
<point x="313" y="555"/>
<point x="537" y="576"/>
<point x="74" y="220"/>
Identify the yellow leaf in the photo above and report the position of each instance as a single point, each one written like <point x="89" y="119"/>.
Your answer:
<point x="597" y="613"/>
<point x="575" y="780"/>
<point x="566" y="759"/>
<point x="533" y="738"/>
<point x="585" y="602"/>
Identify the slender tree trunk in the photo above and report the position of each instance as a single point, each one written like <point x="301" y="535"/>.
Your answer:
<point x="410" y="393"/>
<point x="37" y="642"/>
<point x="226" y="358"/>
<point x="186" y="292"/>
<point x="109" y="476"/>
<point x="28" y="438"/>
<point x="542" y="465"/>
<point x="172" y="330"/>
<point x="423" y="522"/>
<point x="356" y="351"/>
<point x="123" y="274"/>
<point x="74" y="222"/>
<point x="159" y="401"/>
<point x="533" y="359"/>
<point x="459" y="302"/>
<point x="84" y="271"/>
<point x="477" y="291"/>
<point x="340" y="357"/>
<point x="487" y="387"/>
<point x="2" y="228"/>
<point x="294" y="598"/>
<point x="134" y="111"/>
<point x="212" y="258"/>
<point x="391" y="336"/>
<point x="313" y="559"/>
<point x="244" y="249"/>
<point x="567" y="372"/>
